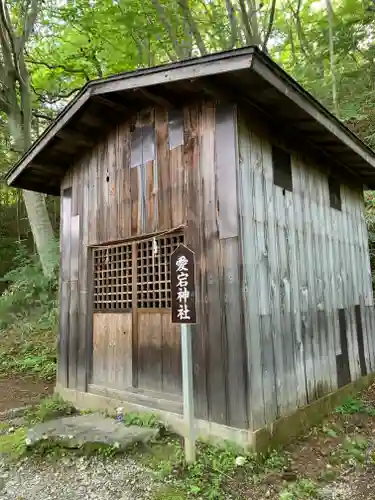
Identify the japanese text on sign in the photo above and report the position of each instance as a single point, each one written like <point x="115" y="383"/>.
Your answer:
<point x="183" y="286"/>
<point x="182" y="291"/>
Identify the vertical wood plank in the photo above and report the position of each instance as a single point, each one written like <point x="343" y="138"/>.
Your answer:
<point x="299" y="288"/>
<point x="73" y="333"/>
<point x="135" y="323"/>
<point x="64" y="323"/>
<point x="295" y="312"/>
<point x="177" y="186"/>
<point x="74" y="300"/>
<point x="162" y="155"/>
<point x="236" y="368"/>
<point x="63" y="341"/>
<point x="171" y="356"/>
<point x="225" y="153"/>
<point x="150" y="351"/>
<point x="149" y="218"/>
<point x="134" y="194"/>
<point x="84" y="276"/>
<point x="249" y="256"/>
<point x="309" y="291"/>
<point x="271" y="211"/>
<point x="74" y="247"/>
<point x="194" y="239"/>
<point x="261" y="162"/>
<point x="124" y="182"/>
<point x="217" y="360"/>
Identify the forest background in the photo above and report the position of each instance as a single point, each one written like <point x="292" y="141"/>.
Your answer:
<point x="50" y="48"/>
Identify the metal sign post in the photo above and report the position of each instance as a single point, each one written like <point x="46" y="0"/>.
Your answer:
<point x="184" y="313"/>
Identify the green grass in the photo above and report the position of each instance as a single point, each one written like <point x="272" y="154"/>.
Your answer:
<point x="355" y="405"/>
<point x="48" y="409"/>
<point x="215" y="473"/>
<point x="352" y="451"/>
<point x="13" y="445"/>
<point x="301" y="489"/>
<point x="169" y="493"/>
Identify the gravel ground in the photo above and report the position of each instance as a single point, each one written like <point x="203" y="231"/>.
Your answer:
<point x="79" y="479"/>
<point x="359" y="485"/>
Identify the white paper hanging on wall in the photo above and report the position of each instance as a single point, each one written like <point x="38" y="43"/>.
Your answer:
<point x="142" y="145"/>
<point x="148" y="143"/>
<point x="136" y="148"/>
<point x="175" y="128"/>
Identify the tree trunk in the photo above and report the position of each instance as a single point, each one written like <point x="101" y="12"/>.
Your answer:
<point x="41" y="228"/>
<point x="332" y="56"/>
<point x="35" y="203"/>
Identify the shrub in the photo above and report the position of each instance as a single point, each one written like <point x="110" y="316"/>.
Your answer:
<point x="28" y="319"/>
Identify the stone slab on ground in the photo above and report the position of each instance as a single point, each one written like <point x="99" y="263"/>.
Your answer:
<point x="78" y="430"/>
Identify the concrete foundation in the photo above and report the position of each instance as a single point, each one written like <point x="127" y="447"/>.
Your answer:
<point x="281" y="432"/>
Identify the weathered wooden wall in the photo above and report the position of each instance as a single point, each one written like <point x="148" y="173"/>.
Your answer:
<point x="163" y="170"/>
<point x="284" y="287"/>
<point x="309" y="316"/>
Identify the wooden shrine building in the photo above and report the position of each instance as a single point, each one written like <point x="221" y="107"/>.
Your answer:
<point x="228" y="154"/>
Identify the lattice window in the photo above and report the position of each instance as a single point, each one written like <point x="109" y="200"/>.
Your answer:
<point x="113" y="281"/>
<point x="153" y="271"/>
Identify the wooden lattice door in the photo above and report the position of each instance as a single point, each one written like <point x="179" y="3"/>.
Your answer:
<point x="135" y="344"/>
<point x="158" y="347"/>
<point x="113" y="320"/>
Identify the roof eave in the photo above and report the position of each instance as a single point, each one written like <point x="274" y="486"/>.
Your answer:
<point x="281" y="81"/>
<point x="190" y="69"/>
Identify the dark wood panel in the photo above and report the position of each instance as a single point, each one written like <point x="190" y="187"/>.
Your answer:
<point x="171" y="355"/>
<point x="150" y="344"/>
<point x="112" y="355"/>
<point x="360" y="340"/>
<point x="342" y="360"/>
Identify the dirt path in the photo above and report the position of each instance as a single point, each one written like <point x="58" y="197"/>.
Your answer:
<point x="16" y="392"/>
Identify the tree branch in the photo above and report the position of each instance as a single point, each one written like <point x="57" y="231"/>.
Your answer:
<point x="270" y="26"/>
<point x="97" y="65"/>
<point x="42" y="116"/>
<point x="193" y="26"/>
<point x="57" y="97"/>
<point x="253" y="19"/>
<point x="5" y="44"/>
<point x="233" y="24"/>
<point x="171" y="32"/>
<point x="29" y="23"/>
<point x="246" y="23"/>
<point x="59" y="66"/>
<point x="6" y="22"/>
